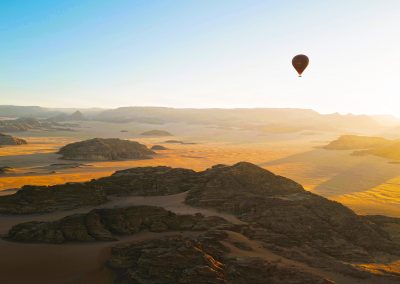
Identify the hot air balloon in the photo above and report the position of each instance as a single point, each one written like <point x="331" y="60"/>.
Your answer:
<point x="300" y="63"/>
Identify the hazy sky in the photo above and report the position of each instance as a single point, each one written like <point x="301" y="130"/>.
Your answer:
<point x="202" y="53"/>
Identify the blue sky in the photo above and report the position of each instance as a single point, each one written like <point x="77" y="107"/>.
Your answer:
<point x="201" y="54"/>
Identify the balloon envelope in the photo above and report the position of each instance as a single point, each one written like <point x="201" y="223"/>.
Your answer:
<point x="300" y="63"/>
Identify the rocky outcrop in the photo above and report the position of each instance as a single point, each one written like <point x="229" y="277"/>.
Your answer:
<point x="158" y="148"/>
<point x="99" y="149"/>
<point x="277" y="214"/>
<point x="283" y="213"/>
<point x="355" y="142"/>
<point x="280" y="211"/>
<point x="8" y="140"/>
<point x="40" y="199"/>
<point x="108" y="224"/>
<point x="203" y="259"/>
<point x="136" y="181"/>
<point x="157" y="133"/>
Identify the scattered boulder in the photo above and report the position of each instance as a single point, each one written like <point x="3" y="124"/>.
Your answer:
<point x="277" y="213"/>
<point x="110" y="149"/>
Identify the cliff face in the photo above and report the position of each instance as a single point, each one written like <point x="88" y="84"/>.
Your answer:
<point x="8" y="140"/>
<point x="99" y="149"/>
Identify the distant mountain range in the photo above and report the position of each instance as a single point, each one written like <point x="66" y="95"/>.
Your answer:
<point x="264" y="119"/>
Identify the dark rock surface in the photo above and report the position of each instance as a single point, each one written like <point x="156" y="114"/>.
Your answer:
<point x="99" y="149"/>
<point x="108" y="224"/>
<point x="136" y="181"/>
<point x="283" y="213"/>
<point x="41" y="199"/>
<point x="280" y="211"/>
<point x="203" y="259"/>
<point x="277" y="213"/>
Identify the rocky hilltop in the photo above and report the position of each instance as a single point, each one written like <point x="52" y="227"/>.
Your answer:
<point x="7" y="140"/>
<point x="108" y="224"/>
<point x="203" y="259"/>
<point x="278" y="217"/>
<point x="99" y="149"/>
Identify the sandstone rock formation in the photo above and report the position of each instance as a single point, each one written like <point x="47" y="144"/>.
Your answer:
<point x="203" y="259"/>
<point x="8" y="140"/>
<point x="99" y="149"/>
<point x="108" y="224"/>
<point x="276" y="212"/>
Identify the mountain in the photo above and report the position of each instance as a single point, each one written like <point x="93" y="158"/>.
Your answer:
<point x="38" y="112"/>
<point x="265" y="119"/>
<point x="99" y="149"/>
<point x="109" y="224"/>
<point x="76" y="116"/>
